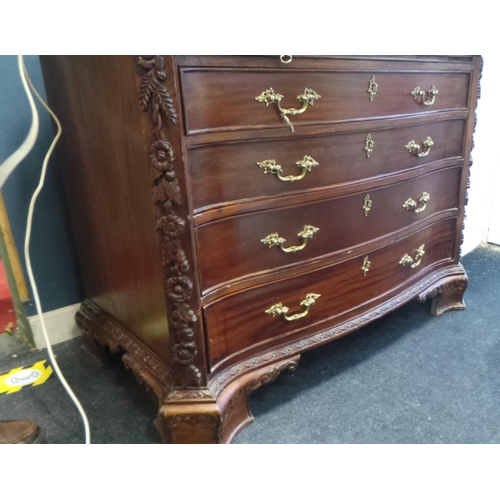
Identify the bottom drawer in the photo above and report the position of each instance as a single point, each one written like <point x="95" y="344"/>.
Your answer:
<point x="247" y="319"/>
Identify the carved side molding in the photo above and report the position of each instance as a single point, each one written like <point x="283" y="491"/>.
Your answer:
<point x="470" y="156"/>
<point x="155" y="99"/>
<point x="145" y="365"/>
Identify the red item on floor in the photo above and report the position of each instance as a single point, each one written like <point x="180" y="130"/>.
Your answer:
<point x="7" y="310"/>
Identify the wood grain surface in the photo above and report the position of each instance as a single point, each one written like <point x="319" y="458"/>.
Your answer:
<point x="231" y="248"/>
<point x="224" y="99"/>
<point x="228" y="173"/>
<point x="104" y="162"/>
<point x="240" y="322"/>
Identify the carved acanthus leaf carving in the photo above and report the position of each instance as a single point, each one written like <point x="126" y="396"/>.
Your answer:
<point x="153" y="91"/>
<point x="272" y="374"/>
<point x="269" y="376"/>
<point x="456" y="284"/>
<point x="166" y="193"/>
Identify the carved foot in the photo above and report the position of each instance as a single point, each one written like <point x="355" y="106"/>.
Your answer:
<point x="197" y="416"/>
<point x="188" y="423"/>
<point x="447" y="294"/>
<point x="233" y="400"/>
<point x="213" y="414"/>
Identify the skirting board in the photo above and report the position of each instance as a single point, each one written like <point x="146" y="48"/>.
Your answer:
<point x="60" y="325"/>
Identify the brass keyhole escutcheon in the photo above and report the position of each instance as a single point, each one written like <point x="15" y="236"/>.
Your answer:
<point x="366" y="265"/>
<point x="367" y="204"/>
<point x="372" y="88"/>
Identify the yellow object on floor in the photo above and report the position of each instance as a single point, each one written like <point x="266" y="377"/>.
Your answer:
<point x="18" y="378"/>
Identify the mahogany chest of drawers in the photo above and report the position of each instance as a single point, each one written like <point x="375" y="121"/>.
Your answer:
<point x="233" y="212"/>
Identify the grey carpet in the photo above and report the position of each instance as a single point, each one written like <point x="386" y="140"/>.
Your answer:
<point x="118" y="409"/>
<point x="406" y="378"/>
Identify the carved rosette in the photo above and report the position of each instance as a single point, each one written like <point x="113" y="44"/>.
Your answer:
<point x="158" y="103"/>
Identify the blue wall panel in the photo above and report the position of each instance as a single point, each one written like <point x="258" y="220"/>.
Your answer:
<point x="52" y="249"/>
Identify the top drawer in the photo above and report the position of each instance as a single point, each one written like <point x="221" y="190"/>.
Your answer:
<point x="222" y="99"/>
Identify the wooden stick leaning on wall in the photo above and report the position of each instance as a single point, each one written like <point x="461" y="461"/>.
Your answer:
<point x="12" y="254"/>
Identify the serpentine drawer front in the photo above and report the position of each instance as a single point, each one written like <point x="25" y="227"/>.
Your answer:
<point x="271" y="239"/>
<point x="242" y="171"/>
<point x="249" y="97"/>
<point x="232" y="212"/>
<point x="342" y="288"/>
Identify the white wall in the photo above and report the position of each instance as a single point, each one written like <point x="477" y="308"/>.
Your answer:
<point x="486" y="154"/>
<point x="494" y="226"/>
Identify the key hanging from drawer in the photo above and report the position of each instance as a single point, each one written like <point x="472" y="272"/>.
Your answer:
<point x="411" y="205"/>
<point x="307" y="99"/>
<point x="305" y="165"/>
<point x="279" y="309"/>
<point x="420" y="95"/>
<point x="274" y="239"/>
<point x="415" y="149"/>
<point x="407" y="260"/>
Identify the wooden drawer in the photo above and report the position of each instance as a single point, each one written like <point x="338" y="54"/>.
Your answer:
<point x="225" y="173"/>
<point x="342" y="224"/>
<point x="239" y="322"/>
<point x="224" y="99"/>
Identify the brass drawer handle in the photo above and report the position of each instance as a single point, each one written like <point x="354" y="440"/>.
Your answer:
<point x="275" y="239"/>
<point x="307" y="99"/>
<point x="420" y="94"/>
<point x="414" y="148"/>
<point x="279" y="308"/>
<point x="305" y="165"/>
<point x="413" y="263"/>
<point x="411" y="205"/>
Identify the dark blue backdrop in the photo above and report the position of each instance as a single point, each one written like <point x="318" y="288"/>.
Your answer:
<point x="52" y="248"/>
